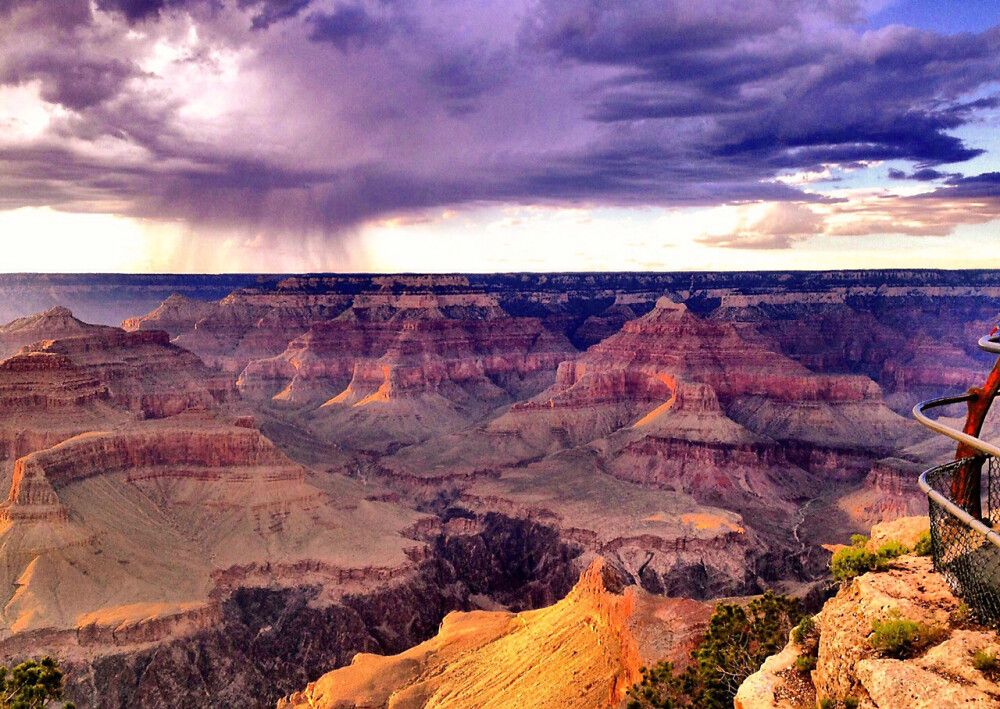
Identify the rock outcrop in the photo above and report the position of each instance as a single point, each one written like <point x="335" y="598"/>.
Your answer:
<point x="582" y="652"/>
<point x="52" y="324"/>
<point x="142" y="371"/>
<point x="848" y="665"/>
<point x="641" y="364"/>
<point x="916" y="343"/>
<point x="175" y="315"/>
<point x="677" y="402"/>
<point x="269" y="639"/>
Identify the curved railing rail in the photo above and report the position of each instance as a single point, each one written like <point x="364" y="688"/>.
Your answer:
<point x="964" y="503"/>
<point x="990" y="343"/>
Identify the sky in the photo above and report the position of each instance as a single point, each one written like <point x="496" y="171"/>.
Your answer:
<point x="482" y="135"/>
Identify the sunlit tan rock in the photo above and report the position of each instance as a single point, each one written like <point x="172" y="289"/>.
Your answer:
<point x="583" y="652"/>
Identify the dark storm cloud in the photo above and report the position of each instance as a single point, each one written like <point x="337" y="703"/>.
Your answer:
<point x="927" y="174"/>
<point x="829" y="100"/>
<point x="349" y="26"/>
<point x="358" y="109"/>
<point x="923" y="175"/>
<point x="267" y="12"/>
<point x="69" y="79"/>
<point x="984" y="186"/>
<point x="460" y="78"/>
<point x="138" y="10"/>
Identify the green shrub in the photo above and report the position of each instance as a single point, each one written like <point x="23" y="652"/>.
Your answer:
<point x="850" y="562"/>
<point x="32" y="684"/>
<point x="961" y="615"/>
<point x="851" y="702"/>
<point x="804" y="630"/>
<point x="892" y="549"/>
<point x="738" y="640"/>
<point x="805" y="663"/>
<point x="827" y="703"/>
<point x="901" y="637"/>
<point x="923" y="547"/>
<point x="986" y="661"/>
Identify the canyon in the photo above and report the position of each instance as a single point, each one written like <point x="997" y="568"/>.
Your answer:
<point x="251" y="481"/>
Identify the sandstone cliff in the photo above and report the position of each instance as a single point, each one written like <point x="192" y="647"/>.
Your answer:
<point x="849" y="667"/>
<point x="142" y="371"/>
<point x="583" y="652"/>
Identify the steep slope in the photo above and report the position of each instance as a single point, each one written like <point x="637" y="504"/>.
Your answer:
<point x="889" y="490"/>
<point x="915" y="342"/>
<point x="680" y="402"/>
<point x="106" y="526"/>
<point x="675" y="420"/>
<point x="73" y="378"/>
<point x="46" y="398"/>
<point x="751" y="382"/>
<point x="583" y="652"/>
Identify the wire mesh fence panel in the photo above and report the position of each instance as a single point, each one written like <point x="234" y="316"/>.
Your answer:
<point x="965" y="557"/>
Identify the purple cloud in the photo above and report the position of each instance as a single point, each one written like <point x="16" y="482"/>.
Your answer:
<point x="317" y="115"/>
<point x="349" y="26"/>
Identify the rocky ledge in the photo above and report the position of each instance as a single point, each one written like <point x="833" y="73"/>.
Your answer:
<point x="948" y="665"/>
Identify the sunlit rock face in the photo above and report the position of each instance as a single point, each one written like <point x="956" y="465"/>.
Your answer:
<point x="686" y="403"/>
<point x="848" y="666"/>
<point x="670" y="344"/>
<point x="150" y="513"/>
<point x="585" y="651"/>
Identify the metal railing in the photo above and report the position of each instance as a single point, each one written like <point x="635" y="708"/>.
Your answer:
<point x="966" y="546"/>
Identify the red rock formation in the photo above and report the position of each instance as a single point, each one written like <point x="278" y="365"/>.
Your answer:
<point x="45" y="398"/>
<point x="753" y="384"/>
<point x="176" y="315"/>
<point x="396" y="368"/>
<point x="143" y="372"/>
<point x="46" y="380"/>
<point x="52" y="324"/>
<point x="134" y="523"/>
<point x="171" y="450"/>
<point x="914" y="346"/>
<point x="250" y="325"/>
<point x="425" y="341"/>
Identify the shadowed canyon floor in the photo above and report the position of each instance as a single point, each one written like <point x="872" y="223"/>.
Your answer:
<point x="234" y="494"/>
